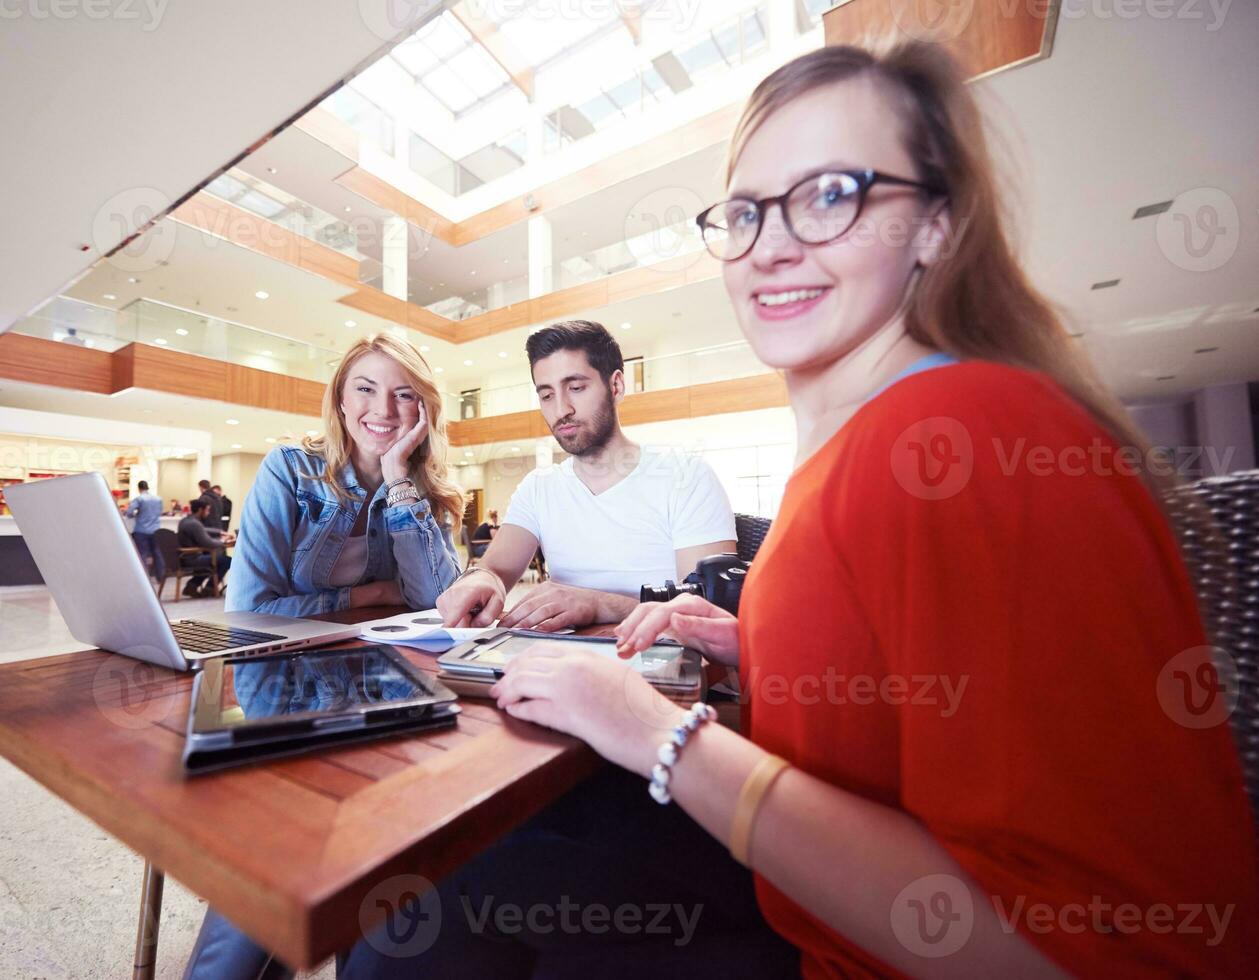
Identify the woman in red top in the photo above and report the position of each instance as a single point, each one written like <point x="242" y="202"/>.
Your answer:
<point x="969" y="633"/>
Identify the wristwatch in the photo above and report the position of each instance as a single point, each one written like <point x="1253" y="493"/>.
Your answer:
<point x="400" y="492"/>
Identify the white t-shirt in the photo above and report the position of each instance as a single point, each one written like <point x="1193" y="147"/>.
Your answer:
<point x="625" y="537"/>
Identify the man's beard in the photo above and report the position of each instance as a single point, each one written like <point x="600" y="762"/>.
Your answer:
<point x="592" y="436"/>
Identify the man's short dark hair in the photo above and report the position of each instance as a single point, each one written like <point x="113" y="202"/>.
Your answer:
<point x="216" y="488"/>
<point x="593" y="339"/>
<point x="142" y="486"/>
<point x="201" y="502"/>
<point x="204" y="484"/>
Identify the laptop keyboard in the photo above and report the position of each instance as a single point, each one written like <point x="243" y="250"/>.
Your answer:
<point x="199" y="637"/>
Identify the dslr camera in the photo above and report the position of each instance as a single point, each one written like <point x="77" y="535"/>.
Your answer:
<point x="717" y="578"/>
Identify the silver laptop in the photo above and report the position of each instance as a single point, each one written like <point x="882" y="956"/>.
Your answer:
<point x="75" y="534"/>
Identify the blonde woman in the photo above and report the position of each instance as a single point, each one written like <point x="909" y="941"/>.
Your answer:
<point x="361" y="515"/>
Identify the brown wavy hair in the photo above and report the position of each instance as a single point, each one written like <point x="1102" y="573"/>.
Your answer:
<point x="975" y="302"/>
<point x="427" y="466"/>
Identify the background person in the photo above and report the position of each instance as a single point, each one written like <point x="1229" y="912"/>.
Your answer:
<point x="193" y="533"/>
<point x="147" y="511"/>
<point x="610" y="518"/>
<point x="225" y="504"/>
<point x="882" y="822"/>
<point x="213" y="519"/>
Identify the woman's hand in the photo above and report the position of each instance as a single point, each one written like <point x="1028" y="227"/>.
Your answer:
<point x="692" y="621"/>
<point x="386" y="593"/>
<point x="393" y="464"/>
<point x="598" y="700"/>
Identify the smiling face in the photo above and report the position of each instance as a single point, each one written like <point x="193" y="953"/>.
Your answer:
<point x="803" y="307"/>
<point x="578" y="407"/>
<point x="379" y="403"/>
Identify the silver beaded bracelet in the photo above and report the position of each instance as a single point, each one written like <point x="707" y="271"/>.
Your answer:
<point x="668" y="752"/>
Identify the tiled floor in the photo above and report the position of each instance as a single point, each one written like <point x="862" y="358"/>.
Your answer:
<point x="69" y="892"/>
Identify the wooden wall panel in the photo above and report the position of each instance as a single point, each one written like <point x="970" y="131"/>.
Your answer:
<point x="320" y="260"/>
<point x="159" y="369"/>
<point x="49" y="362"/>
<point x="496" y="428"/>
<point x="985" y="37"/>
<point x="738" y="395"/>
<point x="308" y="397"/>
<point x="656" y="406"/>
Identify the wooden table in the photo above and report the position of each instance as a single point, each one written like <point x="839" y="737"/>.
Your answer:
<point x="291" y="850"/>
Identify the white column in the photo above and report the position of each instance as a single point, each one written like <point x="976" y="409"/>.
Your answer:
<point x="1225" y="431"/>
<point x="393" y="256"/>
<point x="541" y="257"/>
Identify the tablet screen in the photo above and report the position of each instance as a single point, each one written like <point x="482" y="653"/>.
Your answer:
<point x="659" y="661"/>
<point x="319" y="681"/>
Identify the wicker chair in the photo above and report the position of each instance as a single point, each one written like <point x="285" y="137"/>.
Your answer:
<point x="1224" y="562"/>
<point x="750" y="533"/>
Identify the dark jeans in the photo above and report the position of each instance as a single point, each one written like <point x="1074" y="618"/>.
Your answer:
<point x="222" y="561"/>
<point x="603" y="883"/>
<point x="146" y="544"/>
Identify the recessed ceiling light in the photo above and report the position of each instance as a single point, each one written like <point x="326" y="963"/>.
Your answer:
<point x="439" y="370"/>
<point x="181" y="331"/>
<point x="132" y="279"/>
<point x="515" y="449"/>
<point x="1205" y="350"/>
<point x="160" y="340"/>
<point x="1105" y="284"/>
<point x="262" y="294"/>
<point x="502" y="353"/>
<point x="441" y="284"/>
<point x="347" y="208"/>
<point x="473" y="272"/>
<point x="271" y="439"/>
<point x="233" y="421"/>
<point x="467" y="363"/>
<point x="272" y="170"/>
<point x="236" y="445"/>
<point x="462" y="462"/>
<point x="312" y="432"/>
<point x="626" y="325"/>
<point x="110" y="296"/>
<point x="424" y="348"/>
<point x="468" y="452"/>
<point x="351" y="323"/>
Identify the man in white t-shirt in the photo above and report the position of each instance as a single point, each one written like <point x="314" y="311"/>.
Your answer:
<point x="611" y="518"/>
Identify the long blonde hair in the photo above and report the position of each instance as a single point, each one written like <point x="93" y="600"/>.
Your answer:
<point x="427" y="466"/>
<point x="975" y="302"/>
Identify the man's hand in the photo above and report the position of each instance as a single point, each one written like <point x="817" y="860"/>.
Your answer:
<point x="475" y="599"/>
<point x="551" y="606"/>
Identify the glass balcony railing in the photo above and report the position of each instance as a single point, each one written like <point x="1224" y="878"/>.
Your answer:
<point x="72" y="321"/>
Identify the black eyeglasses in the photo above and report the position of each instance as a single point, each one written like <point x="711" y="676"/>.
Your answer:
<point x="819" y="209"/>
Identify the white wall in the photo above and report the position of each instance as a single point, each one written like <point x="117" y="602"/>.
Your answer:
<point x="100" y="437"/>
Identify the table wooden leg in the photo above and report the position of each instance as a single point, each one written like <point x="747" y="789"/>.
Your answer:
<point x="150" y="918"/>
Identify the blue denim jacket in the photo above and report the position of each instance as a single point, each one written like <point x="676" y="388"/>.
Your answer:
<point x="292" y="530"/>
